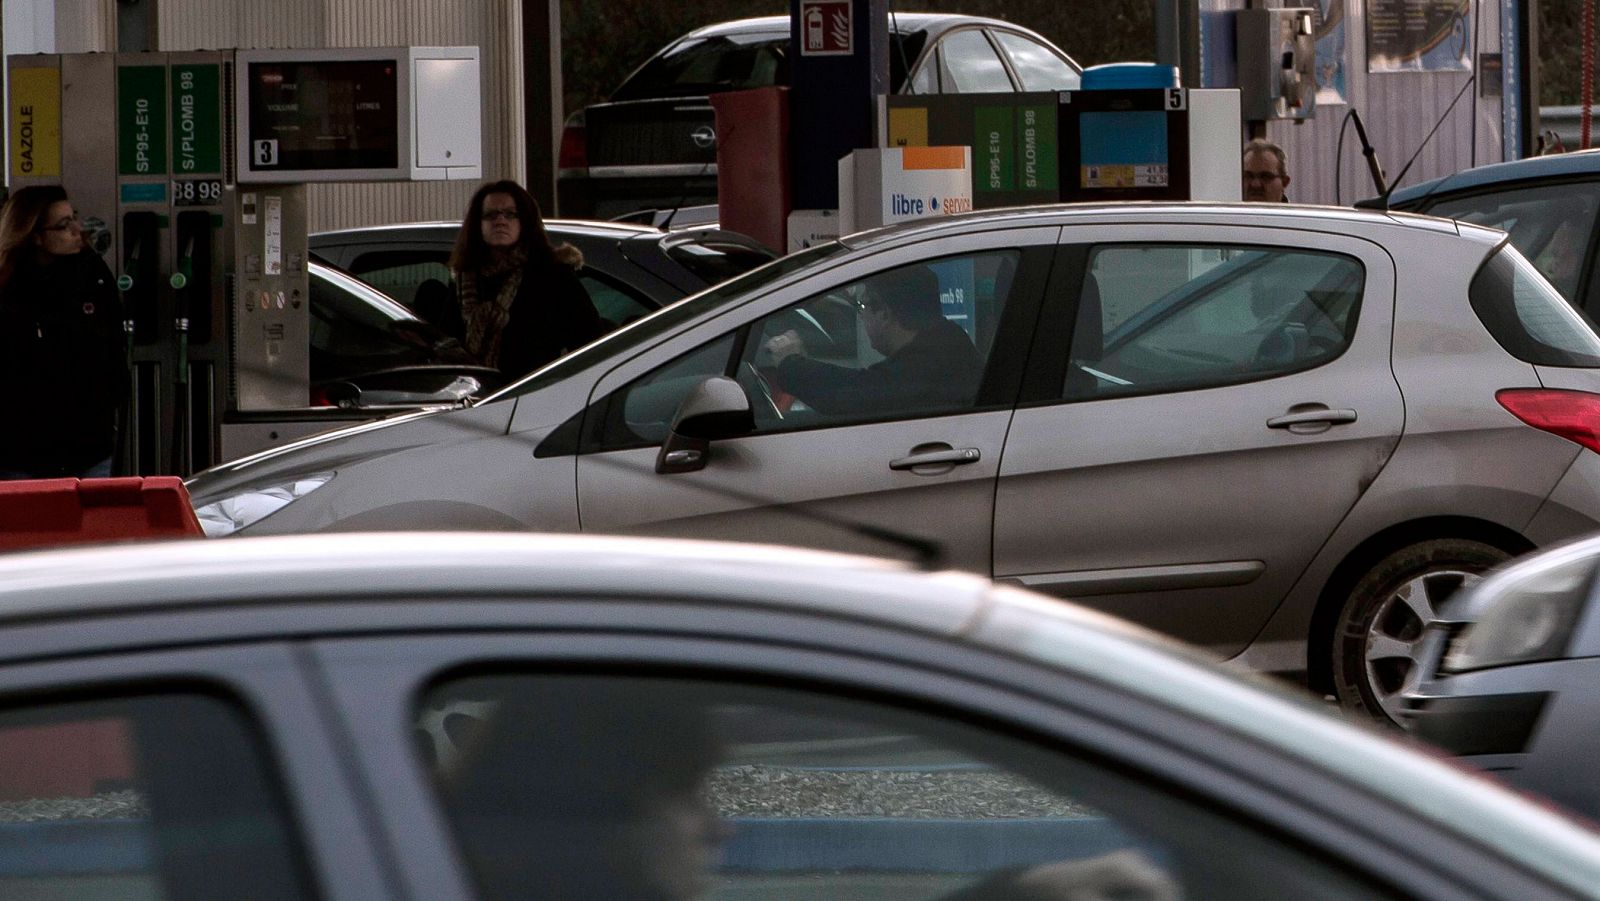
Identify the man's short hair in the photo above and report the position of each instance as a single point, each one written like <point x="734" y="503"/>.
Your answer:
<point x="910" y="294"/>
<point x="1263" y="145"/>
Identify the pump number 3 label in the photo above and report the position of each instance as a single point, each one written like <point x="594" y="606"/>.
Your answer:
<point x="197" y="192"/>
<point x="266" y="152"/>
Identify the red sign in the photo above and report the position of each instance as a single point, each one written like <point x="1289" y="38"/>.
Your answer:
<point x="826" y="28"/>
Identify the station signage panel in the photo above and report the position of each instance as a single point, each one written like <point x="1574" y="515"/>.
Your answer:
<point x="142" y="120"/>
<point x="1014" y="140"/>
<point x="35" y="111"/>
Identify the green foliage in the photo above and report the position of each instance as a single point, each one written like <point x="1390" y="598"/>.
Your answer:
<point x="602" y="42"/>
<point x="1561" y="52"/>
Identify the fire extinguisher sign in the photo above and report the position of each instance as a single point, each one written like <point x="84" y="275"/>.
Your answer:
<point x="827" y="28"/>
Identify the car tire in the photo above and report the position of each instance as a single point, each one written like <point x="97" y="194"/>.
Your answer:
<point x="1381" y="624"/>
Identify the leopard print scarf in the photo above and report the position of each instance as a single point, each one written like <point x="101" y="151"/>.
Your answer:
<point x="485" y="318"/>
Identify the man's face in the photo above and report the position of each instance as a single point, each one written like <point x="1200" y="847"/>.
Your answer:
<point x="1262" y="180"/>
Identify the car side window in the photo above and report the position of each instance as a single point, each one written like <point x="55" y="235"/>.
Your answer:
<point x="592" y="785"/>
<point x="1551" y="225"/>
<point x="970" y="65"/>
<point x="152" y="796"/>
<point x="908" y="342"/>
<point x="1039" y="68"/>
<point x="926" y="79"/>
<point x="397" y="273"/>
<point x="615" y="304"/>
<point x="1171" y="317"/>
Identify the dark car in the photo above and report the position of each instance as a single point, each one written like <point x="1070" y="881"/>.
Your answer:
<point x="1549" y="204"/>
<point x="628" y="270"/>
<point x="369" y="351"/>
<point x="469" y="716"/>
<point x="653" y="143"/>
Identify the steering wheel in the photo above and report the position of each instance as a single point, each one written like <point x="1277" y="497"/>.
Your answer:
<point x="763" y="389"/>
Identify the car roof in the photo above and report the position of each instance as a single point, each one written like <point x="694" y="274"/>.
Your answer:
<point x="588" y="227"/>
<point x="205" y="576"/>
<point x="1581" y="162"/>
<point x="898" y="22"/>
<point x="1271" y="215"/>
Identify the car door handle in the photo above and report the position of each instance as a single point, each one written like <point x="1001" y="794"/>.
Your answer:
<point x="954" y="456"/>
<point x="1311" y="417"/>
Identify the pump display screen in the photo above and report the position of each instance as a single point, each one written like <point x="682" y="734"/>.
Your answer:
<point x="1123" y="149"/>
<point x="323" y="115"/>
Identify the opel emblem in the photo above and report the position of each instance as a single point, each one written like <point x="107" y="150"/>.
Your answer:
<point x="704" y="137"/>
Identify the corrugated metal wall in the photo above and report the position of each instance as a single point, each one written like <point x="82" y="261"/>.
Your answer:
<point x="494" y="26"/>
<point x="85" y="25"/>
<point x="1398" y="109"/>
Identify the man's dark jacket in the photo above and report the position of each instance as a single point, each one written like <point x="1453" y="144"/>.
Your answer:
<point x="63" y="356"/>
<point x="937" y="370"/>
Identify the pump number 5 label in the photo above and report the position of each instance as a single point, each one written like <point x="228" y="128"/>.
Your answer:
<point x="266" y="152"/>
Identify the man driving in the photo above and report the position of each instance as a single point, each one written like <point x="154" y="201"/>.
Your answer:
<point x="928" y="361"/>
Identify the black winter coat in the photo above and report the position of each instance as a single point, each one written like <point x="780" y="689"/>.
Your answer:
<point x="552" y="314"/>
<point x="62" y="360"/>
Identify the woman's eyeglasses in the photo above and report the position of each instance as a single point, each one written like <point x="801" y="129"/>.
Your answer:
<point x="492" y="215"/>
<point x="66" y="224"/>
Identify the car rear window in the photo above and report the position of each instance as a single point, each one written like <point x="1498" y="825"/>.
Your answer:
<point x="1528" y="316"/>
<point x="715" y="262"/>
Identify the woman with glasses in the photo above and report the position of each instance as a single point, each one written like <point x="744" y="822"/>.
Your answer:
<point x="518" y="296"/>
<point x="61" y="343"/>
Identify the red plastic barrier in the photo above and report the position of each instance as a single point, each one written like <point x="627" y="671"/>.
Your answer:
<point x="43" y="512"/>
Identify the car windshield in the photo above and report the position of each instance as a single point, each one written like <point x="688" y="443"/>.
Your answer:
<point x="666" y="319"/>
<point x="737" y="62"/>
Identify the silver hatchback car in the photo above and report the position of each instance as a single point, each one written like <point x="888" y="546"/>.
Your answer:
<point x="1283" y="433"/>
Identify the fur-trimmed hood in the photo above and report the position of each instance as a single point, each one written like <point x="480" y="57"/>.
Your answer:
<point x="567" y="255"/>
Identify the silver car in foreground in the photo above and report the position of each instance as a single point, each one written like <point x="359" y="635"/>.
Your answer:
<point x="506" y="717"/>
<point x="1282" y="433"/>
<point x="1509" y="676"/>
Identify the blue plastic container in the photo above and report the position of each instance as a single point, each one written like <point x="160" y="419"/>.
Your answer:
<point x="1129" y="76"/>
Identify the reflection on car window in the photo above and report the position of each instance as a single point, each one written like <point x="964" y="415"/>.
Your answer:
<point x="970" y="64"/>
<point x="908" y="342"/>
<point x="1551" y="225"/>
<point x="725" y="62"/>
<point x="635" y="787"/>
<point x="668" y="318"/>
<point x="1528" y="317"/>
<point x="1038" y="67"/>
<point x="158" y="796"/>
<point x="1155" y="318"/>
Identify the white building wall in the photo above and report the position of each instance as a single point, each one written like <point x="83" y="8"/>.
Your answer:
<point x="1398" y="110"/>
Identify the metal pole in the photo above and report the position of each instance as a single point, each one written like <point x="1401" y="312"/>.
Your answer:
<point x="541" y="97"/>
<point x="1165" y="13"/>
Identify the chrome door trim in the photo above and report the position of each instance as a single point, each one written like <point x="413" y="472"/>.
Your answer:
<point x="1131" y="579"/>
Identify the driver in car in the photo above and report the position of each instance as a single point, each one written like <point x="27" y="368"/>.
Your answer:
<point x="928" y="361"/>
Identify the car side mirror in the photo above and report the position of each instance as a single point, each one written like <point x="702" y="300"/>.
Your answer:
<point x="714" y="409"/>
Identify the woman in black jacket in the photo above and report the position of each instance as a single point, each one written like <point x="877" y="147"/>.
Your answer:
<point x="519" y="298"/>
<point x="61" y="343"/>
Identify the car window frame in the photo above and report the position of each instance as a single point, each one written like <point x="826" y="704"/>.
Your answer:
<point x="990" y="42"/>
<point x="1016" y="75"/>
<point x="1012" y="332"/>
<point x="1049" y="355"/>
<point x="339" y="853"/>
<point x="1066" y="713"/>
<point x="1587" y="292"/>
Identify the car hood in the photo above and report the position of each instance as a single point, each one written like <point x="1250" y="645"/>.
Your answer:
<point x="329" y="451"/>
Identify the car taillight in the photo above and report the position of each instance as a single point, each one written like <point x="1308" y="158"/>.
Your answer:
<point x="1574" y="415"/>
<point x="574" y="144"/>
<point x="319" y="398"/>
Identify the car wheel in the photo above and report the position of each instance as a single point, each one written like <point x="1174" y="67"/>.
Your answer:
<point x="1380" y="629"/>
